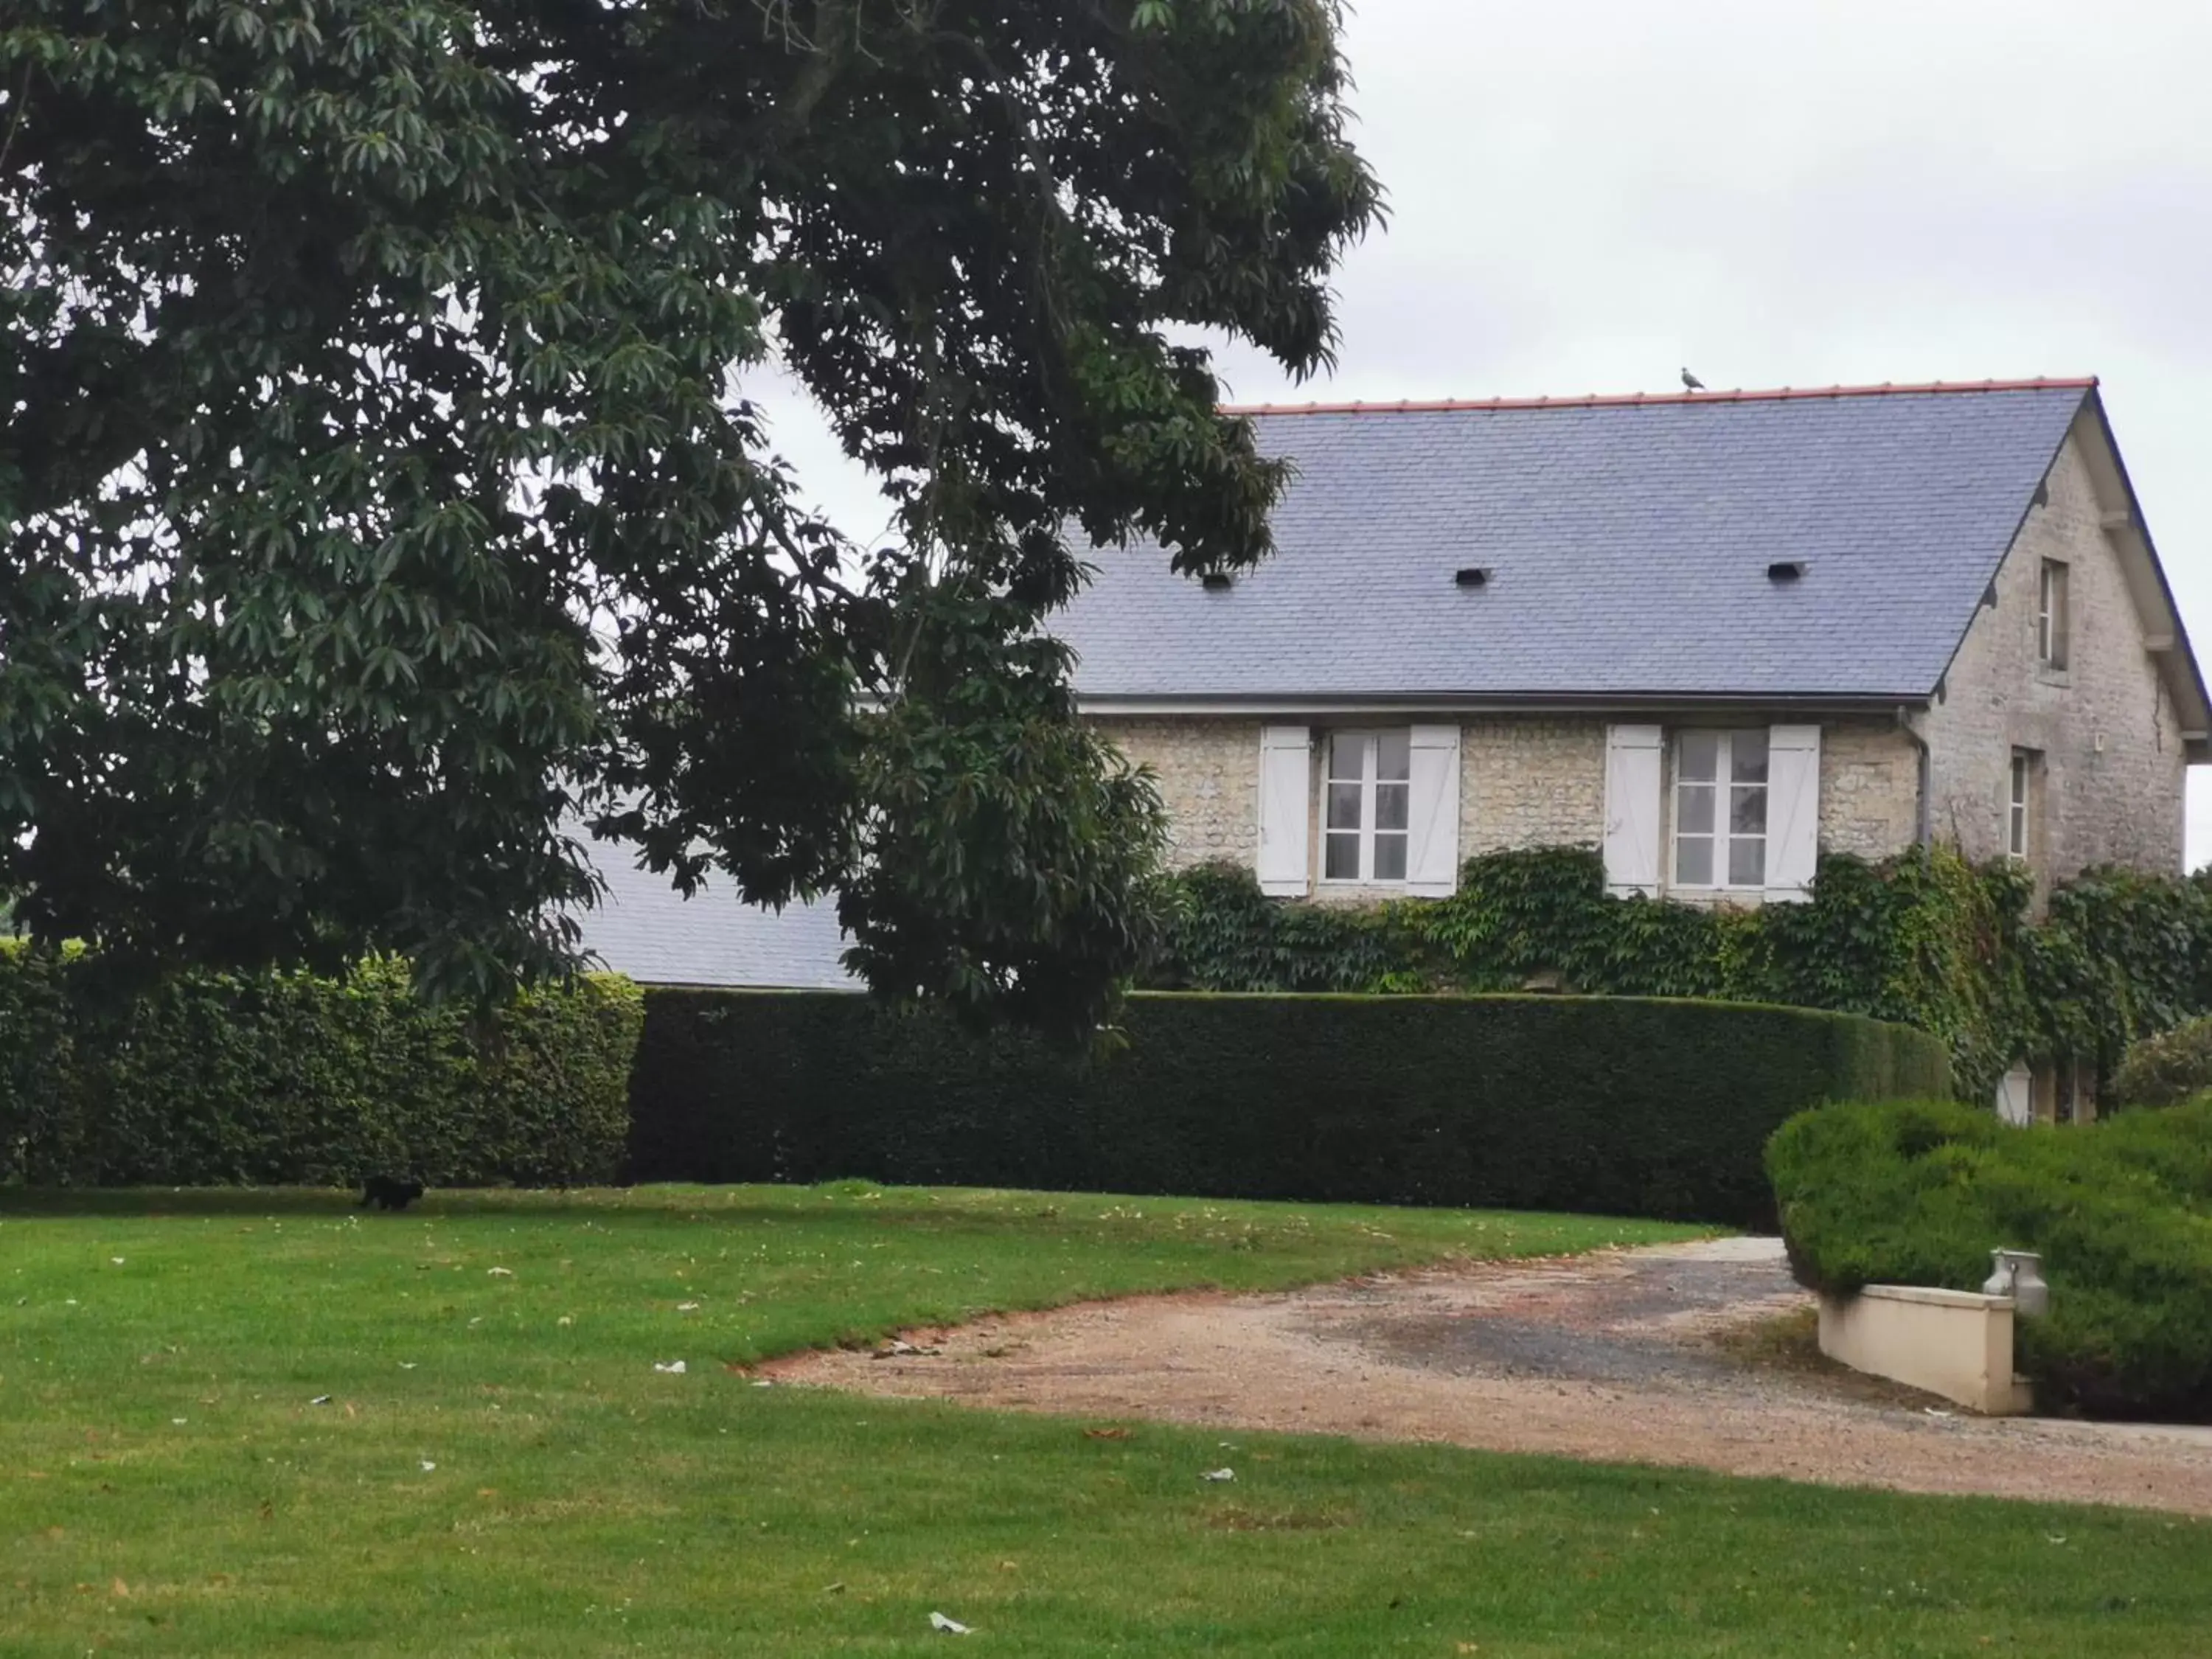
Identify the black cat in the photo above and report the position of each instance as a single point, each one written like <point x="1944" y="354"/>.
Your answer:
<point x="389" y="1191"/>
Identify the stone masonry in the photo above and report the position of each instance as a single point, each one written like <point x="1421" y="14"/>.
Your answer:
<point x="1208" y="773"/>
<point x="1525" y="781"/>
<point x="2109" y="776"/>
<point x="1869" y="788"/>
<point x="1530" y="781"/>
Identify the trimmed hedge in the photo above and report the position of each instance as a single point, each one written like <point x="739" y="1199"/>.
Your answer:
<point x="1632" y="1107"/>
<point x="1923" y="938"/>
<point x="290" y="1079"/>
<point x="1919" y="1193"/>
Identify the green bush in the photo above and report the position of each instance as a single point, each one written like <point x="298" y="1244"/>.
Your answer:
<point x="288" y="1078"/>
<point x="1923" y="938"/>
<point x="40" y="1115"/>
<point x="1927" y="941"/>
<point x="1920" y="1192"/>
<point x="1629" y="1106"/>
<point x="2166" y="1069"/>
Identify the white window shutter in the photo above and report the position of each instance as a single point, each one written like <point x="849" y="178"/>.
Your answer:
<point x="1432" y="853"/>
<point x="1793" y="812"/>
<point x="1632" y="809"/>
<point x="1285" y="809"/>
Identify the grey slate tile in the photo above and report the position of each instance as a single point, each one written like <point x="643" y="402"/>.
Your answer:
<point x="1628" y="548"/>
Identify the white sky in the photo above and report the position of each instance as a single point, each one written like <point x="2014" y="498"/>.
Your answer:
<point x="1586" y="194"/>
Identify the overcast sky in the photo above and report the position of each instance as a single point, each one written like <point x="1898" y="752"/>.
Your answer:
<point x="1587" y="194"/>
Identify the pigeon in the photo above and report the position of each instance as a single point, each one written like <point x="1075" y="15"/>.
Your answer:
<point x="1690" y="382"/>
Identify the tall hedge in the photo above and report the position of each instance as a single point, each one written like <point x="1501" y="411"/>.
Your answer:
<point x="1924" y="938"/>
<point x="288" y="1077"/>
<point x="1612" y="1105"/>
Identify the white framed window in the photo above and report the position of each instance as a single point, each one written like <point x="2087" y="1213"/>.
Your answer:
<point x="1366" y="805"/>
<point x="2023" y="780"/>
<point x="2050" y="617"/>
<point x="1720" y="810"/>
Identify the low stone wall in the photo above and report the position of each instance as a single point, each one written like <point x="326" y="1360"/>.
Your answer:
<point x="1954" y="1343"/>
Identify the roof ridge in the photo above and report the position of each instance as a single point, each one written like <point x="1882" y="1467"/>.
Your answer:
<point x="1619" y="400"/>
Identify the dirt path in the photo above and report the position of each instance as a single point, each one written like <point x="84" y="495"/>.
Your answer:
<point x="1610" y="1357"/>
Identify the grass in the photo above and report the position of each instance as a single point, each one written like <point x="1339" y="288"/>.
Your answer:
<point x="499" y="1470"/>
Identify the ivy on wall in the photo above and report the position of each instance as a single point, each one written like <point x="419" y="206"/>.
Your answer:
<point x="1923" y="938"/>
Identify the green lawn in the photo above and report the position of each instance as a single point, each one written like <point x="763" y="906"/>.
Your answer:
<point x="500" y="1469"/>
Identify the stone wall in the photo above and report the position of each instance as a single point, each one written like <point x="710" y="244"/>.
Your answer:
<point x="1529" y="780"/>
<point x="2110" y="769"/>
<point x="1869" y="788"/>
<point x="1208" y="772"/>
<point x="1525" y="781"/>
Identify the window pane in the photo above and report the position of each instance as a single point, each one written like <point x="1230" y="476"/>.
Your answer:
<point x="1700" y="756"/>
<point x="1389" y="857"/>
<point x="2018" y="845"/>
<point x="1693" y="809"/>
<point x="1693" y="860"/>
<point x="1342" y="861"/>
<point x="1390" y="805"/>
<point x="1393" y="755"/>
<point x="1344" y="806"/>
<point x="1747" y="756"/>
<point x="1747" y="810"/>
<point x="1346" y="754"/>
<point x="1748" y="862"/>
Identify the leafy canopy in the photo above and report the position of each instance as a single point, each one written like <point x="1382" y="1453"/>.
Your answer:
<point x="382" y="502"/>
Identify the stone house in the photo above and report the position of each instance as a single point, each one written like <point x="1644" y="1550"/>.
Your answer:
<point x="1713" y="634"/>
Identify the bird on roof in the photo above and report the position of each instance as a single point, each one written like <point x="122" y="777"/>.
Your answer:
<point x="1690" y="382"/>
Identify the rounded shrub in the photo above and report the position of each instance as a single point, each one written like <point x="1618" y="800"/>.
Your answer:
<point x="1919" y="1192"/>
<point x="2170" y="1067"/>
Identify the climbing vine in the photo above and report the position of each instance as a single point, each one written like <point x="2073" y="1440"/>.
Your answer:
<point x="1924" y="938"/>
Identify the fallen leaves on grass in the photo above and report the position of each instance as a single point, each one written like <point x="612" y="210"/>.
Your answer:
<point x="1237" y="1518"/>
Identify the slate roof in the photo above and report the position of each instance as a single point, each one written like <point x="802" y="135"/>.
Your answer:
<point x="1627" y="542"/>
<point x="644" y="928"/>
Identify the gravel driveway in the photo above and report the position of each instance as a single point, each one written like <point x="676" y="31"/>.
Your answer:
<point x="1617" y="1356"/>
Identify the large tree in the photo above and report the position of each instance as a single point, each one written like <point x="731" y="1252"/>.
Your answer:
<point x="382" y="502"/>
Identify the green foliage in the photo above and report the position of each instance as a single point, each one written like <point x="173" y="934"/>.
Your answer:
<point x="1924" y="939"/>
<point x="288" y="1077"/>
<point x="2121" y="1212"/>
<point x="2120" y="957"/>
<point x="381" y="499"/>
<point x="1219" y="933"/>
<point x="1595" y="1104"/>
<point x="2166" y="1069"/>
<point x="992" y="788"/>
<point x="42" y="1113"/>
